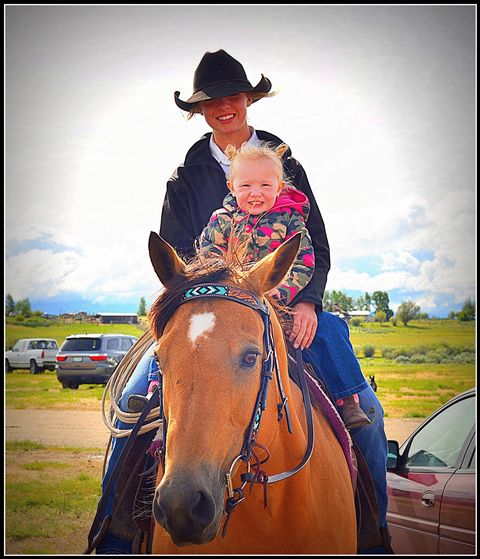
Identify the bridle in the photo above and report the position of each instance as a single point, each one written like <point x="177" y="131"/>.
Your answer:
<point x="269" y="365"/>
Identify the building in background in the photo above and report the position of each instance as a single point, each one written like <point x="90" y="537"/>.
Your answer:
<point x="117" y="318"/>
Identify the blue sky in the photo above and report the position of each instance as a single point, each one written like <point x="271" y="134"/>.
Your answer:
<point x="376" y="102"/>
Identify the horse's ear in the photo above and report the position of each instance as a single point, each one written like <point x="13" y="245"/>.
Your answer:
<point x="270" y="271"/>
<point x="166" y="262"/>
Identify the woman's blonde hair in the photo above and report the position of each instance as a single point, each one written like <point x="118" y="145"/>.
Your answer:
<point x="265" y="150"/>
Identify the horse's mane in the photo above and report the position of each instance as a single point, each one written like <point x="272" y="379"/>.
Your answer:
<point x="201" y="268"/>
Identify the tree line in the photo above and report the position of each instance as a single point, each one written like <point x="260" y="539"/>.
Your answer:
<point x="22" y="307"/>
<point x="339" y="301"/>
<point x="333" y="301"/>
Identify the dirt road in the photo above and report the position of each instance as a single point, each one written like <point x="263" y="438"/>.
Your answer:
<point x="86" y="428"/>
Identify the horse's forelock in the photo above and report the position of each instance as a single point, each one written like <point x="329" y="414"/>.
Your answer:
<point x="204" y="270"/>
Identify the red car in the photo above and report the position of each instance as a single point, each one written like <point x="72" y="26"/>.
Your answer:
<point x="431" y="483"/>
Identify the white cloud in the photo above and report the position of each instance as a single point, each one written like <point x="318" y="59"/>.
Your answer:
<point x="39" y="273"/>
<point x="400" y="260"/>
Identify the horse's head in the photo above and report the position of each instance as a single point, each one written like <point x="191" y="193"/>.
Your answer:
<point x="210" y="352"/>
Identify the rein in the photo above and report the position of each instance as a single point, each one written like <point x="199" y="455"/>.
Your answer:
<point x="269" y="365"/>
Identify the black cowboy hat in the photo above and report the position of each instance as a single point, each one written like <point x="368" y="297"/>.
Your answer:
<point x="220" y="75"/>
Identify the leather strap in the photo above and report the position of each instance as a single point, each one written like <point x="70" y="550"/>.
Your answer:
<point x="309" y="417"/>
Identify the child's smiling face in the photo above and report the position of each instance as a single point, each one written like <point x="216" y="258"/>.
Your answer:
<point x="256" y="185"/>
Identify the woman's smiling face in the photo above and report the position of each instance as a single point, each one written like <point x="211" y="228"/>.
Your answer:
<point x="226" y="115"/>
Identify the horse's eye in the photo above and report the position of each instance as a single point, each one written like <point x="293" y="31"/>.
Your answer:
<point x="250" y="359"/>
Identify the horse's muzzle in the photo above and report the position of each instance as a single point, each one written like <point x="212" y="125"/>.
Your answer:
<point x="188" y="511"/>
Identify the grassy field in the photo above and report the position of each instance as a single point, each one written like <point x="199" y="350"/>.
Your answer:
<point x="417" y="368"/>
<point x="415" y="389"/>
<point x="52" y="493"/>
<point x="416" y="333"/>
<point x="46" y="392"/>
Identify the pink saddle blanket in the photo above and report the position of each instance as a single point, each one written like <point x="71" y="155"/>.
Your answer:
<point x="338" y="427"/>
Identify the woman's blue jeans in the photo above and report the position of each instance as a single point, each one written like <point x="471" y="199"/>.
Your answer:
<point x="137" y="384"/>
<point x="333" y="359"/>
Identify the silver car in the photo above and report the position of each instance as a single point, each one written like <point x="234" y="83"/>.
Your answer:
<point x="90" y="358"/>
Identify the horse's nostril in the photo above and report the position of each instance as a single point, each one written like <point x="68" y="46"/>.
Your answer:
<point x="203" y="510"/>
<point x="158" y="513"/>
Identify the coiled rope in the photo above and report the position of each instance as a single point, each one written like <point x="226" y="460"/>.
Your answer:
<point x="114" y="389"/>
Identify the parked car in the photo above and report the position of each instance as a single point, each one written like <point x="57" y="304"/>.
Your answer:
<point x="91" y="358"/>
<point x="35" y="354"/>
<point x="431" y="483"/>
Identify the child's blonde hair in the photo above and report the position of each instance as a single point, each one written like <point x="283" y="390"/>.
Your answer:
<point x="265" y="150"/>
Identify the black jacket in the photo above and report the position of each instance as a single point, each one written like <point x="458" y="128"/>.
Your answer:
<point x="197" y="188"/>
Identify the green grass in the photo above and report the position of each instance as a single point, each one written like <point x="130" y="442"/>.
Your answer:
<point x="417" y="390"/>
<point x="405" y="390"/>
<point x="76" y="494"/>
<point x="51" y="497"/>
<point x="40" y="465"/>
<point x="27" y="391"/>
<point x="18" y="446"/>
<point x="420" y="332"/>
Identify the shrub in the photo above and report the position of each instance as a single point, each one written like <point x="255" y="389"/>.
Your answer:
<point x="369" y="350"/>
<point x="434" y="354"/>
<point x="380" y="316"/>
<point x="407" y="311"/>
<point x="356" y="322"/>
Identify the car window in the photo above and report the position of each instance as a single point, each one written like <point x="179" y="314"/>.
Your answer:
<point x="439" y="443"/>
<point x="18" y="346"/>
<point x="82" y="344"/>
<point x="126" y="343"/>
<point x="112" y="343"/>
<point x="52" y="345"/>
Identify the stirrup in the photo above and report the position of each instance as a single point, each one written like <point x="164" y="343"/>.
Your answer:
<point x="137" y="402"/>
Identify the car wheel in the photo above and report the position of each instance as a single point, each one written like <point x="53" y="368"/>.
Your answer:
<point x="34" y="368"/>
<point x="7" y="366"/>
<point x="71" y="385"/>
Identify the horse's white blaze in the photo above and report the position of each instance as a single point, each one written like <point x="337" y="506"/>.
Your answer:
<point x="200" y="325"/>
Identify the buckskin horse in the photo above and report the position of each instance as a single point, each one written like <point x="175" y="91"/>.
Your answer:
<point x="245" y="471"/>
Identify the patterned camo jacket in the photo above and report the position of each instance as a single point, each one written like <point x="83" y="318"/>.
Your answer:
<point x="263" y="234"/>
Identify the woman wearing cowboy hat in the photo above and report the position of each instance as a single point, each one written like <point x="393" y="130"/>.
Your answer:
<point x="222" y="94"/>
